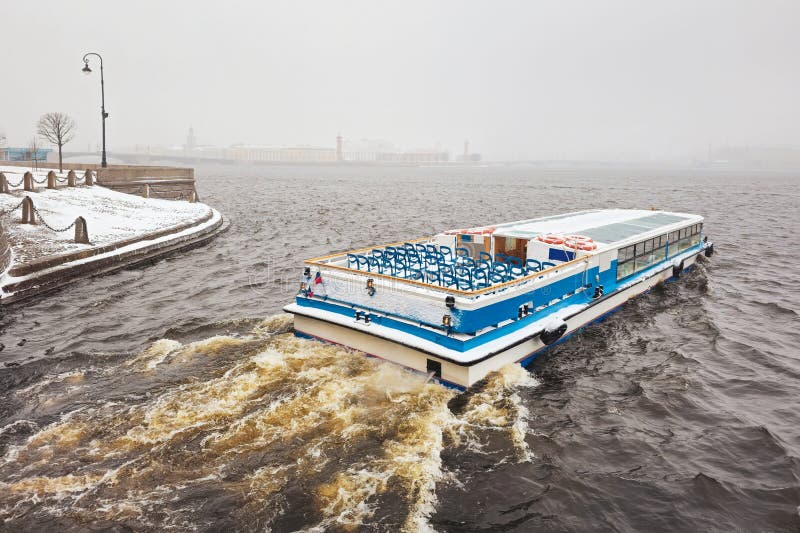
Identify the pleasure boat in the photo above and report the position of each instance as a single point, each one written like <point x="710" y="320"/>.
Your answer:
<point x="465" y="302"/>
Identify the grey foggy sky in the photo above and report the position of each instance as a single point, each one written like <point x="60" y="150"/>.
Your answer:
<point x="524" y="80"/>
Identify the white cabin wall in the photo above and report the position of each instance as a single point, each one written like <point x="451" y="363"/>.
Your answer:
<point x="445" y="240"/>
<point x="606" y="258"/>
<point x="538" y="250"/>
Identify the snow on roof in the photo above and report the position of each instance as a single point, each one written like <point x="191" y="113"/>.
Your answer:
<point x="603" y="225"/>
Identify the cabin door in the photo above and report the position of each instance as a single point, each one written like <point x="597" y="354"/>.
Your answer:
<point x="511" y="246"/>
<point x="474" y="243"/>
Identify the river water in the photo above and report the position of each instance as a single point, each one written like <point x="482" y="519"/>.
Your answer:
<point x="174" y="396"/>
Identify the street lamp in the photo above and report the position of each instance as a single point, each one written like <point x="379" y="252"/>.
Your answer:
<point x="86" y="70"/>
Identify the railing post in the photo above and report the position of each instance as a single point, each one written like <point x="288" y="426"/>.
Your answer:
<point x="71" y="178"/>
<point x="146" y="191"/>
<point x="193" y="197"/>
<point x="27" y="180"/>
<point x="28" y="214"/>
<point x="4" y="183"/>
<point x="81" y="231"/>
<point x="51" y="180"/>
<point x="87" y="176"/>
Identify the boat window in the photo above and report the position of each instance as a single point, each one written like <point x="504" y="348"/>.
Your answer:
<point x="687" y="237"/>
<point x="632" y="259"/>
<point x="674" y="237"/>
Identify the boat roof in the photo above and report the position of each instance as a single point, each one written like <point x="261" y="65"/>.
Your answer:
<point x="604" y="226"/>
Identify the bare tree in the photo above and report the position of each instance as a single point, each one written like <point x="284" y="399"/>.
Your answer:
<point x="59" y="129"/>
<point x="33" y="151"/>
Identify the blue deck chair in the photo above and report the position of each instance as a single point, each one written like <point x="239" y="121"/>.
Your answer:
<point x="500" y="270"/>
<point x="447" y="252"/>
<point x="547" y="264"/>
<point x="449" y="280"/>
<point x="433" y="276"/>
<point x="431" y="260"/>
<point x="463" y="284"/>
<point x="387" y="265"/>
<point x="447" y="269"/>
<point x="500" y="258"/>
<point x="461" y="253"/>
<point x="376" y="252"/>
<point x="390" y="252"/>
<point x="421" y="250"/>
<point x="482" y="264"/>
<point x="485" y="256"/>
<point x="375" y="264"/>
<point x="361" y="262"/>
<point x="480" y="278"/>
<point x="532" y="265"/>
<point x="517" y="271"/>
<point x="415" y="274"/>
<point x="513" y="260"/>
<point x="463" y="272"/>
<point x="352" y="261"/>
<point x="496" y="277"/>
<point x="431" y="248"/>
<point x="399" y="269"/>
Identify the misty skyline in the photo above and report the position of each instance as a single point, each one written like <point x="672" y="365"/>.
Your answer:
<point x="520" y="80"/>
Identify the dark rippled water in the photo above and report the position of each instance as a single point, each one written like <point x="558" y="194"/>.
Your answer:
<point x="175" y="396"/>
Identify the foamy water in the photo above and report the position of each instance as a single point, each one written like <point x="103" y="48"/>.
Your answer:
<point x="278" y="414"/>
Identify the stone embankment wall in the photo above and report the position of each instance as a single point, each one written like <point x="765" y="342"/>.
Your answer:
<point x="171" y="183"/>
<point x="5" y="249"/>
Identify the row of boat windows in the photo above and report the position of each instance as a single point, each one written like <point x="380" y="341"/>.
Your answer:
<point x="641" y="255"/>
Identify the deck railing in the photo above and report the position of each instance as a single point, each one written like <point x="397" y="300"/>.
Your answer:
<point x="325" y="261"/>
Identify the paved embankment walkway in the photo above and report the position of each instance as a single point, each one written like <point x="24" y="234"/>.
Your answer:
<point x="83" y="230"/>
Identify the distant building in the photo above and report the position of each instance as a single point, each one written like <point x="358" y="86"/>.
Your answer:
<point x="414" y="156"/>
<point x="771" y="156"/>
<point x="310" y="154"/>
<point x="23" y="154"/>
<point x="191" y="140"/>
<point x="468" y="156"/>
<point x="381" y="150"/>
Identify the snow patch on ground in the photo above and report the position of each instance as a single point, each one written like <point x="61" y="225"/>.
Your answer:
<point x="111" y="216"/>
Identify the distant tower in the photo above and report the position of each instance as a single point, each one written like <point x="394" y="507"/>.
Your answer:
<point x="339" y="147"/>
<point x="191" y="141"/>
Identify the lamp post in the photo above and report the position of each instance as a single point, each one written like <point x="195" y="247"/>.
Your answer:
<point x="86" y="70"/>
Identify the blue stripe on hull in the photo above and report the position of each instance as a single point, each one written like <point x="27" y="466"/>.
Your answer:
<point x="529" y="359"/>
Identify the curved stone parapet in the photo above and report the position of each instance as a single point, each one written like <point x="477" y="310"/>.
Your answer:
<point x="5" y="249"/>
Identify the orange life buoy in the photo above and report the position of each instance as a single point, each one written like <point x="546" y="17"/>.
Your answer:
<point x="551" y="239"/>
<point x="579" y="238"/>
<point x="485" y="230"/>
<point x="580" y="242"/>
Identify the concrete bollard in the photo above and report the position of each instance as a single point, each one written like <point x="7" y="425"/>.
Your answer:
<point x="71" y="178"/>
<point x="146" y="191"/>
<point x="51" y="180"/>
<point x="88" y="177"/>
<point x="193" y="197"/>
<point x="4" y="183"/>
<point x="81" y="231"/>
<point x="28" y="214"/>
<point x="27" y="180"/>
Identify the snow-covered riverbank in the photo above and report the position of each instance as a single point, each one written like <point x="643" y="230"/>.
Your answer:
<point x="113" y="220"/>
